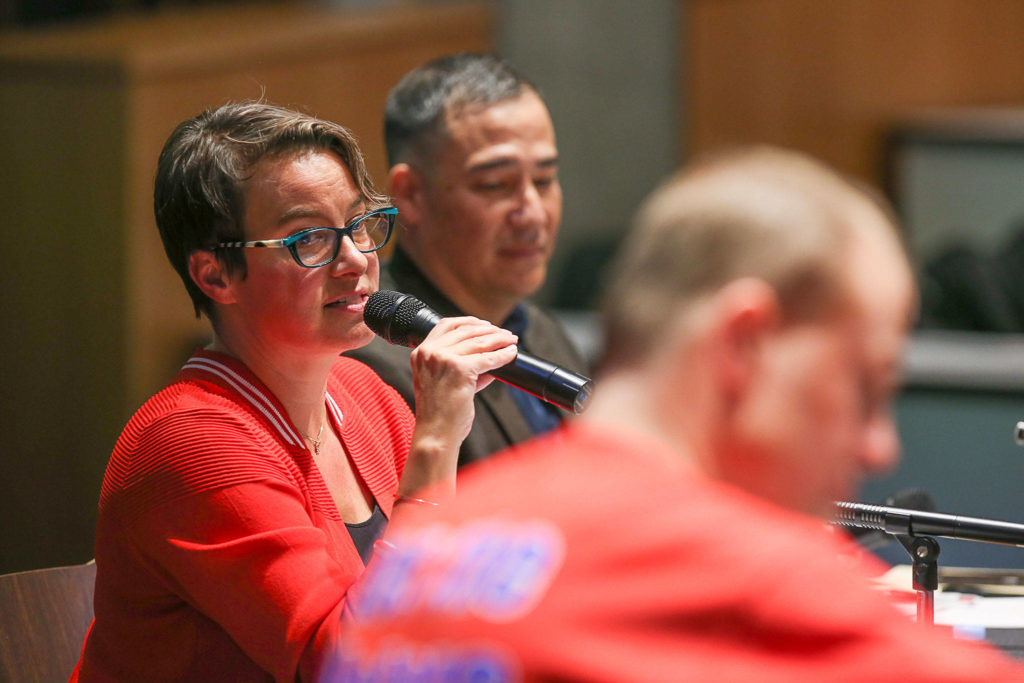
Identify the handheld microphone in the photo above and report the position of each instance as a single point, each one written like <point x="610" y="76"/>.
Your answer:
<point x="919" y="523"/>
<point x="404" y="320"/>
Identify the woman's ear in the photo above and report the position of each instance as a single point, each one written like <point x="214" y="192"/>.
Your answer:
<point x="211" y="276"/>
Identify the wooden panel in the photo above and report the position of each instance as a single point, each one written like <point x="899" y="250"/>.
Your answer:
<point x="829" y="77"/>
<point x="62" y="380"/>
<point x="98" y="320"/>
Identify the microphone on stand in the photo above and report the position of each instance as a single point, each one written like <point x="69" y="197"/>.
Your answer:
<point x="914" y="499"/>
<point x="903" y="521"/>
<point x="404" y="320"/>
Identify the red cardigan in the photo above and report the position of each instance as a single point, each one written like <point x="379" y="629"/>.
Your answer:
<point x="220" y="553"/>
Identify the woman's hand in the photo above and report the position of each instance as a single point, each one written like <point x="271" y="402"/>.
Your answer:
<point x="448" y="368"/>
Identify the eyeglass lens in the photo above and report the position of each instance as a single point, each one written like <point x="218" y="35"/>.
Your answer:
<point x="318" y="247"/>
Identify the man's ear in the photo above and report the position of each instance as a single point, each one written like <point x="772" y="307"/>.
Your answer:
<point x="406" y="188"/>
<point x="210" y="275"/>
<point x="747" y="313"/>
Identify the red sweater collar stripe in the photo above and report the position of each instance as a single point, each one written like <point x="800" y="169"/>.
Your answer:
<point x="256" y="396"/>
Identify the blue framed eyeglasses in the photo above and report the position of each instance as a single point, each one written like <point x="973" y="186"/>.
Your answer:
<point x="316" y="247"/>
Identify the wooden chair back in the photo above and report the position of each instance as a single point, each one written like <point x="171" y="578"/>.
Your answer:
<point x="44" y="616"/>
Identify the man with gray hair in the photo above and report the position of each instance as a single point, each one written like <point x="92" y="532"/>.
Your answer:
<point x="754" y="324"/>
<point x="474" y="174"/>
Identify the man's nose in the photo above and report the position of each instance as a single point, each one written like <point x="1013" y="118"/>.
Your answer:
<point x="881" y="448"/>
<point x="530" y="210"/>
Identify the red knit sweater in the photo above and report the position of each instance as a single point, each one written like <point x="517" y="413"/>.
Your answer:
<point x="220" y="553"/>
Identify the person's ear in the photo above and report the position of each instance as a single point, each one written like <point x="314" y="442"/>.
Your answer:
<point x="747" y="314"/>
<point x="406" y="189"/>
<point x="210" y="275"/>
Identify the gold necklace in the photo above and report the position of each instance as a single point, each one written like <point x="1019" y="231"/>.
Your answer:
<point x="316" y="441"/>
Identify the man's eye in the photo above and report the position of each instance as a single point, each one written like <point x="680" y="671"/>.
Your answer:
<point x="876" y="396"/>
<point x="495" y="186"/>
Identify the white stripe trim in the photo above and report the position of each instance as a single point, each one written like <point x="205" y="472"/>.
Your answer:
<point x="338" y="416"/>
<point x="249" y="392"/>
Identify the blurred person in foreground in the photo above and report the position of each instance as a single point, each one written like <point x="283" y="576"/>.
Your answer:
<point x="242" y="501"/>
<point x="474" y="174"/>
<point x="754" y="324"/>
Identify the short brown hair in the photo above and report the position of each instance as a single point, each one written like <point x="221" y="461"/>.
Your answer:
<point x="776" y="215"/>
<point x="197" y="196"/>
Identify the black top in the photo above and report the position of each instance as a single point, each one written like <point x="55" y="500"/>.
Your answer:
<point x="365" y="534"/>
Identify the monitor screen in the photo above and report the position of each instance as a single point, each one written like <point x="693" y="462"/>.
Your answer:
<point x="957" y="181"/>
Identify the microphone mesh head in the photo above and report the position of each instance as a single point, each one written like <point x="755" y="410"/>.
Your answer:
<point x="390" y="315"/>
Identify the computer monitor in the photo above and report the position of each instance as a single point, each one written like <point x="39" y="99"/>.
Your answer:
<point x="956" y="178"/>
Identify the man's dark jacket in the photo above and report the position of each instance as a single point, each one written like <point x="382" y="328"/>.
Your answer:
<point x="498" y="423"/>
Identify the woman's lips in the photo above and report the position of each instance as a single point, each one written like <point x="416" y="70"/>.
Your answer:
<point x="354" y="303"/>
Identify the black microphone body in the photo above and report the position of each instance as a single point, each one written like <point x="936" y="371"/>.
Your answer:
<point x="914" y="499"/>
<point x="404" y="320"/>
<point x="920" y="523"/>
